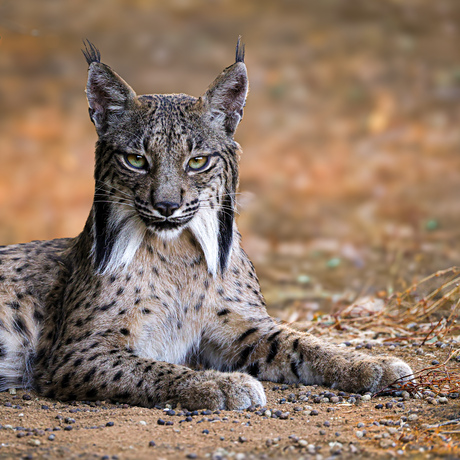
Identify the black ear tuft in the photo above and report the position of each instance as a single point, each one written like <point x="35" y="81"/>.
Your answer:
<point x="90" y="52"/>
<point x="239" y="54"/>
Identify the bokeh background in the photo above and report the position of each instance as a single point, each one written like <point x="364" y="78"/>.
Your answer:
<point x="350" y="176"/>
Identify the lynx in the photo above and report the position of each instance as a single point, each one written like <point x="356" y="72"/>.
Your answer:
<point x="155" y="301"/>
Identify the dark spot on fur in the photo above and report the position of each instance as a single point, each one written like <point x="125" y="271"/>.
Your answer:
<point x="273" y="351"/>
<point x="247" y="334"/>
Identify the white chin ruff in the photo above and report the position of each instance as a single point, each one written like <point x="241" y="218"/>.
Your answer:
<point x="205" y="228"/>
<point x="168" y="235"/>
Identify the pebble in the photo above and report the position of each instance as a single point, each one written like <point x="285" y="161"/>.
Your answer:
<point x="34" y="442"/>
<point x="366" y="397"/>
<point x="142" y="422"/>
<point x="386" y="443"/>
<point x="192" y="455"/>
<point x="359" y="434"/>
<point x="389" y="405"/>
<point x="405" y="395"/>
<point x="160" y="421"/>
<point x="412" y="417"/>
<point x="314" y="412"/>
<point x="26" y="397"/>
<point x="442" y="400"/>
<point x="242" y="439"/>
<point x="205" y="431"/>
<point x="379" y="406"/>
<point x="68" y="428"/>
<point x="152" y="444"/>
<point x="303" y="443"/>
<point x="109" y="424"/>
<point x="51" y="437"/>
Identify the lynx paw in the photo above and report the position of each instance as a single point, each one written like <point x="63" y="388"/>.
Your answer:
<point x="374" y="374"/>
<point x="217" y="390"/>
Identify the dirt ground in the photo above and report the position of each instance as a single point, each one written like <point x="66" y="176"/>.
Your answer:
<point x="350" y="185"/>
<point x="309" y="424"/>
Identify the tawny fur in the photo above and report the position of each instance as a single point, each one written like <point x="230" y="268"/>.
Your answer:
<point x="130" y="308"/>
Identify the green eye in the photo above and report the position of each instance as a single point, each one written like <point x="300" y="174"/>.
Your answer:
<point x="136" y="161"/>
<point x="198" y="163"/>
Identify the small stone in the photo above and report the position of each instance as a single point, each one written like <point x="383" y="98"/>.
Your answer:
<point x="327" y="423"/>
<point x="160" y="421"/>
<point x="386" y="443"/>
<point x="284" y="416"/>
<point x="442" y="400"/>
<point x="322" y="432"/>
<point x="360" y="425"/>
<point x="412" y="417"/>
<point x="68" y="428"/>
<point x="366" y="397"/>
<point x="435" y="362"/>
<point x="152" y="444"/>
<point x="407" y="438"/>
<point x="192" y="455"/>
<point x="389" y="405"/>
<point x="359" y="434"/>
<point x="34" y="442"/>
<point x="303" y="442"/>
<point x="379" y="406"/>
<point x="109" y="424"/>
<point x="51" y="437"/>
<point x="242" y="439"/>
<point x="169" y="423"/>
<point x="405" y="395"/>
<point x="26" y="397"/>
<point x="268" y="413"/>
<point x="353" y="449"/>
<point x="205" y="431"/>
<point x="314" y="412"/>
<point x="419" y="351"/>
<point x="142" y="422"/>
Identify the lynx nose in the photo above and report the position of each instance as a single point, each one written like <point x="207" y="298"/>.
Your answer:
<point x="166" y="208"/>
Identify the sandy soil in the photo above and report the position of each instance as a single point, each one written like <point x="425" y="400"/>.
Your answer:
<point x="34" y="427"/>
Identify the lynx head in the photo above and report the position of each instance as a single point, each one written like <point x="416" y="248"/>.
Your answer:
<point x="164" y="163"/>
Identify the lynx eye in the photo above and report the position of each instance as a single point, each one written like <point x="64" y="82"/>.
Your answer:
<point x="198" y="163"/>
<point x="136" y="161"/>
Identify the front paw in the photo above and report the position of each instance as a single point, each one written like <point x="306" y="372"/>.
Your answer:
<point x="373" y="374"/>
<point x="218" y="390"/>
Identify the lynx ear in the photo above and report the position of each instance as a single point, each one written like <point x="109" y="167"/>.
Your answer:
<point x="108" y="94"/>
<point x="226" y="97"/>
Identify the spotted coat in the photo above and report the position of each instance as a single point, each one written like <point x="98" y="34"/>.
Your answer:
<point x="155" y="301"/>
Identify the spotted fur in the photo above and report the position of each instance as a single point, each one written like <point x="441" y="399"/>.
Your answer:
<point x="157" y="284"/>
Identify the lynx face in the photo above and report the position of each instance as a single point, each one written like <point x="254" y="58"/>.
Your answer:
<point x="164" y="163"/>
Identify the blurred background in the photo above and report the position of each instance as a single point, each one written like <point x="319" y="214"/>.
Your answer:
<point x="350" y="175"/>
